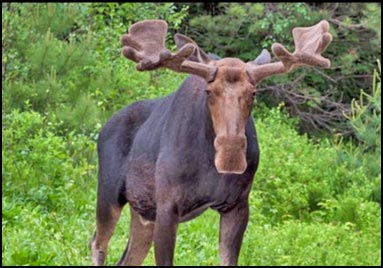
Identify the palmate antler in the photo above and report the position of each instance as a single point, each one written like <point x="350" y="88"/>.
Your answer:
<point x="145" y="44"/>
<point x="309" y="42"/>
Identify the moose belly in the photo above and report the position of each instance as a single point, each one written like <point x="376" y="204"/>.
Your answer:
<point x="147" y="210"/>
<point x="195" y="212"/>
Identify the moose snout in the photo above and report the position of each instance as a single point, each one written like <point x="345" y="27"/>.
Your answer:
<point x="230" y="154"/>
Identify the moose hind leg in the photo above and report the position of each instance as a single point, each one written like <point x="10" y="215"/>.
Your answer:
<point x="140" y="240"/>
<point x="107" y="217"/>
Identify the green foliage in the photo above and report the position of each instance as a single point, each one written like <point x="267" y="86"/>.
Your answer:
<point x="27" y="137"/>
<point x="76" y="76"/>
<point x="365" y="115"/>
<point x="293" y="182"/>
<point x="310" y="244"/>
<point x="365" y="118"/>
<point x="312" y="202"/>
<point x="44" y="182"/>
<point x="242" y="30"/>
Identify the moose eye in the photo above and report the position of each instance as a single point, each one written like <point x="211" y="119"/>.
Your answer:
<point x="252" y="95"/>
<point x="250" y="99"/>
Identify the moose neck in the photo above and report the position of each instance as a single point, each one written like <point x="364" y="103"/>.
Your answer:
<point x="190" y="109"/>
<point x="187" y="127"/>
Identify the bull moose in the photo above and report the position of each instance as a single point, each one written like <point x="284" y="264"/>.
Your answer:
<point x="174" y="157"/>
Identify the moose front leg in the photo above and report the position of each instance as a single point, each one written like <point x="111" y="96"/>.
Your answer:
<point x="165" y="231"/>
<point x="232" y="227"/>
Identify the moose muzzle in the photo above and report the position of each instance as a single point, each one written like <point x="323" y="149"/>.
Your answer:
<point x="230" y="156"/>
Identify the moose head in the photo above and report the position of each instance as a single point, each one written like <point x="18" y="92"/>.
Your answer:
<point x="231" y="83"/>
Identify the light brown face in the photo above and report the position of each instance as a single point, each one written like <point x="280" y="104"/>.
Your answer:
<point x="230" y="99"/>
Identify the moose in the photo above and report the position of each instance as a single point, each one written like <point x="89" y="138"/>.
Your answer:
<point x="174" y="157"/>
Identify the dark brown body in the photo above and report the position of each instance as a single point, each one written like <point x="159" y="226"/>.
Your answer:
<point x="159" y="157"/>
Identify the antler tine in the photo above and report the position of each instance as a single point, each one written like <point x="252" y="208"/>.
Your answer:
<point x="145" y="44"/>
<point x="309" y="42"/>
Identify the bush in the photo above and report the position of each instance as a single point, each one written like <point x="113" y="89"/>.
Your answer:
<point x="295" y="180"/>
<point x="45" y="182"/>
<point x="35" y="157"/>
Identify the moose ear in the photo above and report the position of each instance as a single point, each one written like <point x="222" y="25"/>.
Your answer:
<point x="199" y="55"/>
<point x="263" y="58"/>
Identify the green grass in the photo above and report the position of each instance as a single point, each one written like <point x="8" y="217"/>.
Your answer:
<point x="32" y="236"/>
<point x="302" y="211"/>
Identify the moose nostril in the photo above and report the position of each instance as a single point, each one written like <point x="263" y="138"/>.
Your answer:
<point x="230" y="156"/>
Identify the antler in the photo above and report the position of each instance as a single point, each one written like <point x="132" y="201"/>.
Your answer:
<point x="145" y="44"/>
<point x="309" y="42"/>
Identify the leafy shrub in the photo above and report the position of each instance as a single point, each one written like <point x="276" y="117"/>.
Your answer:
<point x="47" y="180"/>
<point x="34" y="156"/>
<point x="298" y="178"/>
